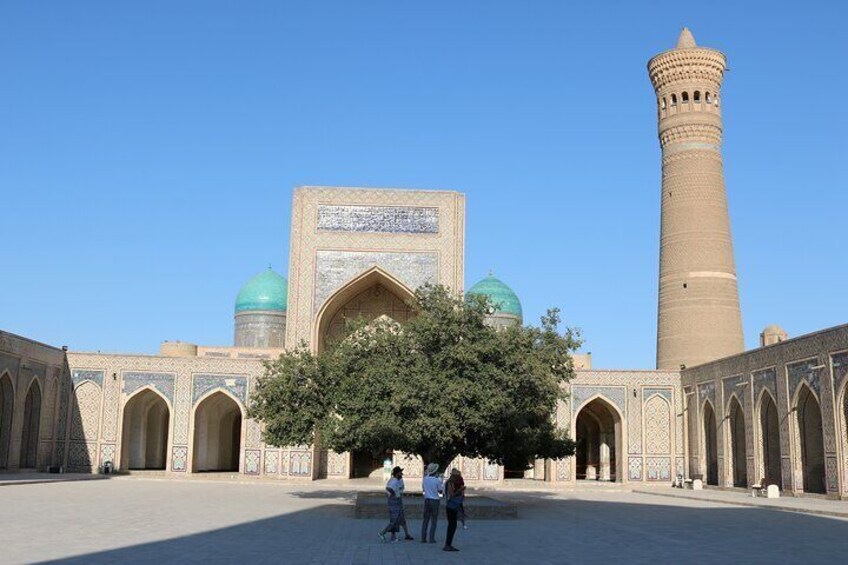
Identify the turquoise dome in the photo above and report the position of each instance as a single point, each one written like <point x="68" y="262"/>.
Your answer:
<point x="266" y="291"/>
<point x="503" y="297"/>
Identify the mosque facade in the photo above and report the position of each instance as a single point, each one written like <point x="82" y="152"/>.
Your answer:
<point x="777" y="414"/>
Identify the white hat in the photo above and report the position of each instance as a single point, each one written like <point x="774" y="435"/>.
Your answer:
<point x="431" y="468"/>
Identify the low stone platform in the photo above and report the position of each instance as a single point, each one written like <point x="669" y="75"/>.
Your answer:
<point x="373" y="505"/>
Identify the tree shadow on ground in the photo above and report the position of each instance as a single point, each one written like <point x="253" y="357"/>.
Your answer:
<point x="552" y="530"/>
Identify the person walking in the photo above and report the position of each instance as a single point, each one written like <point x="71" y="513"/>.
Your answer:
<point x="431" y="486"/>
<point x="455" y="495"/>
<point x="397" y="519"/>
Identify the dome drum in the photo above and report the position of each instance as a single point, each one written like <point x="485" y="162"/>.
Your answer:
<point x="507" y="307"/>
<point x="260" y="311"/>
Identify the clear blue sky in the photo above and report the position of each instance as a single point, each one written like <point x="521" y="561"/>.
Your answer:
<point x="148" y="151"/>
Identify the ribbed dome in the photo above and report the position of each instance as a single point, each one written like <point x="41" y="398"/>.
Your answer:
<point x="266" y="291"/>
<point x="503" y="297"/>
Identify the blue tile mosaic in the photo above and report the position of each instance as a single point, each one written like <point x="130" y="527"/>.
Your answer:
<point x="334" y="269"/>
<point x="614" y="394"/>
<point x="735" y="385"/>
<point x="179" y="458"/>
<point x="237" y="386"/>
<point x="664" y="392"/>
<point x="163" y="382"/>
<point x="9" y="363"/>
<point x="378" y="219"/>
<point x="840" y="369"/>
<point x="658" y="468"/>
<point x="765" y="379"/>
<point x="635" y="469"/>
<point x="82" y="375"/>
<point x="803" y="371"/>
<point x="707" y="390"/>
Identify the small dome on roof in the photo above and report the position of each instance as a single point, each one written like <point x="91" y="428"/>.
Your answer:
<point x="503" y="297"/>
<point x="266" y="291"/>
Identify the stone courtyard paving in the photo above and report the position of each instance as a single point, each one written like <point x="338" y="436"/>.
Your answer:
<point x="129" y="520"/>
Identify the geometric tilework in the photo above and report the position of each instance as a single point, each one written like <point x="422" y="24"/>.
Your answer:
<point x="251" y="461"/>
<point x="110" y="409"/>
<point x="107" y="453"/>
<point x="659" y="468"/>
<point x="85" y="419"/>
<point x="616" y="394"/>
<point x="301" y="463"/>
<point x="803" y="371"/>
<point x="78" y="376"/>
<point x="839" y="362"/>
<point x="337" y="465"/>
<point x="765" y="379"/>
<point x="634" y="425"/>
<point x="832" y="474"/>
<point x="635" y="469"/>
<point x="182" y="410"/>
<point x="490" y="471"/>
<point x="272" y="459"/>
<point x="657" y="425"/>
<point x="163" y="382"/>
<point x="234" y="384"/>
<point x="285" y="460"/>
<point x="664" y="392"/>
<point x="707" y="390"/>
<point x="735" y="385"/>
<point x="563" y="467"/>
<point x="179" y="458"/>
<point x="471" y="468"/>
<point x="334" y="269"/>
<point x="253" y="435"/>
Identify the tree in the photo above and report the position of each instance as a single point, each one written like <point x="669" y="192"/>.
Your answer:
<point x="443" y="384"/>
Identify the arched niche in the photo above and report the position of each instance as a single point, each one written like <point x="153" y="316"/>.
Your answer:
<point x="31" y="425"/>
<point x="738" y="454"/>
<point x="710" y="444"/>
<point x="372" y="294"/>
<point x="144" y="440"/>
<point x="217" y="433"/>
<point x="7" y="405"/>
<point x="598" y="435"/>
<point x="769" y="441"/>
<point x="811" y="440"/>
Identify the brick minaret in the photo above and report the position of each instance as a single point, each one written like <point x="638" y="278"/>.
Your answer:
<point x="698" y="316"/>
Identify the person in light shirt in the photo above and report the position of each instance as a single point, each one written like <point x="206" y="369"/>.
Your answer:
<point x="431" y="485"/>
<point x="397" y="519"/>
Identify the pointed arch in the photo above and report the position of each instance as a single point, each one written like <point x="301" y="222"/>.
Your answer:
<point x="145" y="425"/>
<point x="218" y="419"/>
<point x="373" y="278"/>
<point x="808" y="420"/>
<point x="85" y="416"/>
<point x="31" y="426"/>
<point x="769" y="427"/>
<point x="598" y="427"/>
<point x="710" y="435"/>
<point x="7" y="406"/>
<point x="657" y="425"/>
<point x="738" y="461"/>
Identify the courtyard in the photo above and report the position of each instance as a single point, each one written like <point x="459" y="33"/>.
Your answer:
<point x="132" y="520"/>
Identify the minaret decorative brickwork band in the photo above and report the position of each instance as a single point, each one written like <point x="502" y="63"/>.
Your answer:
<point x="699" y="319"/>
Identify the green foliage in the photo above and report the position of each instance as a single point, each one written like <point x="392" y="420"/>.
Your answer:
<point x="441" y="385"/>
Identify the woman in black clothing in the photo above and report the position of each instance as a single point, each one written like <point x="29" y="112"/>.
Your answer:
<point x="455" y="494"/>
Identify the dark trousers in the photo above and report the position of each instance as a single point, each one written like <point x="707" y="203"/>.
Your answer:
<point x="451" y="526"/>
<point x="431" y="515"/>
